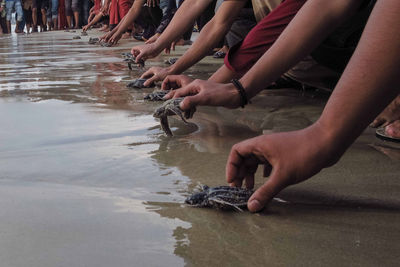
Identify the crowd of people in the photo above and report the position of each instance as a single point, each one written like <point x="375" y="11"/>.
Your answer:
<point x="43" y="15"/>
<point x="350" y="48"/>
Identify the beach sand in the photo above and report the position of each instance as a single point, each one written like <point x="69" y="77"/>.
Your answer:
<point x="88" y="178"/>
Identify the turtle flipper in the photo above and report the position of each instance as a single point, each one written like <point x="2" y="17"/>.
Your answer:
<point x="224" y="203"/>
<point x="165" y="125"/>
<point x="178" y="111"/>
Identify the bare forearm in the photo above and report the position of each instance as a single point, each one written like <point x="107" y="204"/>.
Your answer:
<point x="312" y="24"/>
<point x="210" y="36"/>
<point x="96" y="19"/>
<point x="371" y="79"/>
<point x="132" y="15"/>
<point x="182" y="21"/>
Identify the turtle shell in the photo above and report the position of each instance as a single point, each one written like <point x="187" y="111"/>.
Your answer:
<point x="139" y="83"/>
<point x="156" y="95"/>
<point x="94" y="40"/>
<point x="221" y="197"/>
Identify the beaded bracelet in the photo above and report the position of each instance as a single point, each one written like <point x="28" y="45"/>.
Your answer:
<point x="243" y="96"/>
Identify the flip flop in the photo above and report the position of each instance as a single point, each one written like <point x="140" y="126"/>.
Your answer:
<point x="380" y="133"/>
<point x="219" y="54"/>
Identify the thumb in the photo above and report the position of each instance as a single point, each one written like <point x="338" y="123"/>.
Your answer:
<point x="140" y="56"/>
<point x="266" y="192"/>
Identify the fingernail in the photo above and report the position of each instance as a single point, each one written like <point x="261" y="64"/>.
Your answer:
<point x="254" y="205"/>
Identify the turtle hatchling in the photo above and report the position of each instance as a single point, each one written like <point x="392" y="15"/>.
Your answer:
<point x="84" y="33"/>
<point x="94" y="40"/>
<point x="105" y="44"/>
<point x="76" y="37"/>
<point x="139" y="84"/>
<point x="170" y="108"/>
<point x="171" y="60"/>
<point x="131" y="60"/>
<point x="156" y="95"/>
<point x="220" y="197"/>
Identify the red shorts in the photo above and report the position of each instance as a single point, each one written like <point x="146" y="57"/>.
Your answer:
<point x="97" y="5"/>
<point x="244" y="55"/>
<point x="118" y="10"/>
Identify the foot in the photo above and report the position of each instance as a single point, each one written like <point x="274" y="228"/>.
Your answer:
<point x="390" y="114"/>
<point x="393" y="129"/>
<point x="126" y="35"/>
<point x="104" y="28"/>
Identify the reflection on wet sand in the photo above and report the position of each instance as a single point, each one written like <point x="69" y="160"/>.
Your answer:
<point x="73" y="136"/>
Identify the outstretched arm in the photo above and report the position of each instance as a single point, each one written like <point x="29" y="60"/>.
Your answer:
<point x="181" y="22"/>
<point x="312" y="24"/>
<point x="370" y="81"/>
<point x="127" y="21"/>
<point x="208" y="38"/>
<point x="96" y="19"/>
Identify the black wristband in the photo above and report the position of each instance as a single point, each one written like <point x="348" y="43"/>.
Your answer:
<point x="242" y="92"/>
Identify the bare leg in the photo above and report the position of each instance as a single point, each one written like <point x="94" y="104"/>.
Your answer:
<point x="17" y="27"/>
<point x="9" y="26"/>
<point x="55" y="26"/>
<point x="69" y="26"/>
<point x="44" y="19"/>
<point x="76" y="16"/>
<point x="34" y="18"/>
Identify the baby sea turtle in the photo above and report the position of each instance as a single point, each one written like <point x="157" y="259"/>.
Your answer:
<point x="170" y="108"/>
<point x="220" y="197"/>
<point x="131" y="60"/>
<point x="94" y="40"/>
<point x="156" y="95"/>
<point x="171" y="60"/>
<point x="105" y="44"/>
<point x="84" y="33"/>
<point x="139" y="84"/>
<point x="76" y="37"/>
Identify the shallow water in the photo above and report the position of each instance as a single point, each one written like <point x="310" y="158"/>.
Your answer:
<point x="87" y="178"/>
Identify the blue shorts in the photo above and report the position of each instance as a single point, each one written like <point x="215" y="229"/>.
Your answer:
<point x="10" y="5"/>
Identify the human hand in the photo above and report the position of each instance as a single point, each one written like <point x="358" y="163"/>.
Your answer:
<point x="155" y="74"/>
<point x="175" y="82"/>
<point x="107" y="36"/>
<point x="153" y="38"/>
<point x="115" y="38"/>
<point x="85" y="28"/>
<point x="104" y="10"/>
<point x="171" y="46"/>
<point x="144" y="52"/>
<point x="288" y="158"/>
<point x="206" y="93"/>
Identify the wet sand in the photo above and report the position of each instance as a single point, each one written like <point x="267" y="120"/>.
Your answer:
<point x="87" y="177"/>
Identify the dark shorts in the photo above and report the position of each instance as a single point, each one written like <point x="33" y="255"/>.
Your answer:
<point x="244" y="55"/>
<point x="40" y="4"/>
<point x="334" y="53"/>
<point x="28" y="16"/>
